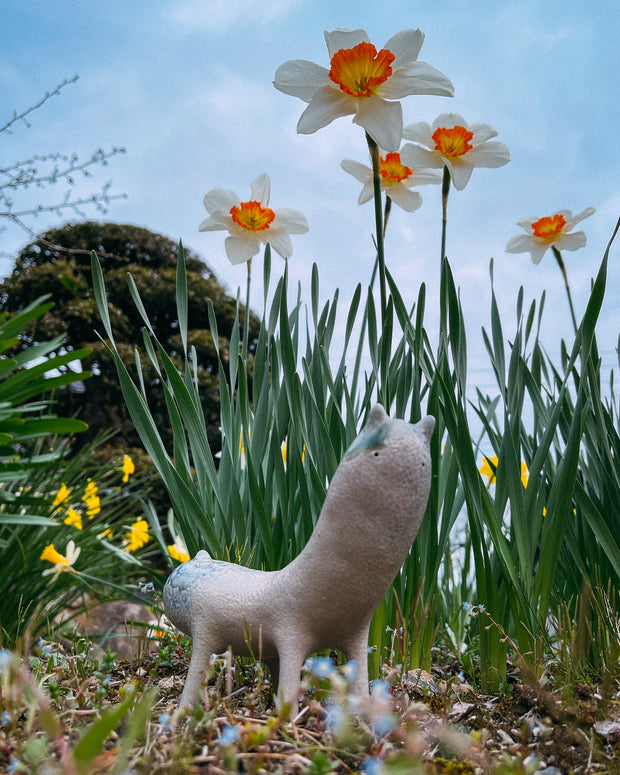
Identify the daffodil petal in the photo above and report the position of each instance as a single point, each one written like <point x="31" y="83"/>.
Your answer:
<point x="280" y="242"/>
<point x="419" y="132"/>
<point x="260" y="189"/>
<point x="414" y="156"/>
<point x="301" y="78"/>
<point x="538" y="251"/>
<point x="418" y="78"/>
<point x="524" y="244"/>
<point x="404" y="197"/>
<point x="240" y="249"/>
<point x="490" y="155"/>
<point x="460" y="173"/>
<point x="367" y="192"/>
<point x="519" y="244"/>
<point x="215" y="222"/>
<point x="220" y="199"/>
<point x="425" y="177"/>
<point x="342" y="38"/>
<point x="526" y="223"/>
<point x="382" y="120"/>
<point x="359" y="171"/>
<point x="573" y="241"/>
<point x="327" y="104"/>
<point x="449" y="120"/>
<point x="571" y="219"/>
<point x="482" y="133"/>
<point x="291" y="220"/>
<point x="405" y="46"/>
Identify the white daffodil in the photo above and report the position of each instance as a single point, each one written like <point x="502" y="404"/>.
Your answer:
<point x="252" y="222"/>
<point x="450" y="142"/>
<point x="362" y="82"/>
<point x="396" y="180"/>
<point x="550" y="230"/>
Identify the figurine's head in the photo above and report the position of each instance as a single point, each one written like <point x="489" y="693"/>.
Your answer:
<point x="388" y="466"/>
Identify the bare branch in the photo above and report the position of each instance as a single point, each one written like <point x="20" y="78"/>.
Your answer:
<point x="22" y="116"/>
<point x="24" y="174"/>
<point x="41" y="171"/>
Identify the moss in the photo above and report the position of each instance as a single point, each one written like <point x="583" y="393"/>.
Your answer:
<point x="441" y="766"/>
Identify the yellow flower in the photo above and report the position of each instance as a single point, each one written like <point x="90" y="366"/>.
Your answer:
<point x="137" y="536"/>
<point x="61" y="496"/>
<point x="91" y="489"/>
<point x="284" y="450"/>
<point x="525" y="474"/>
<point x="61" y="563"/>
<point x="128" y="468"/>
<point x="94" y="505"/>
<point x="107" y="533"/>
<point x="488" y="468"/>
<point x="178" y="550"/>
<point x="73" y="518"/>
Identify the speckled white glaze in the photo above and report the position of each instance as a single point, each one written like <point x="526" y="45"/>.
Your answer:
<point x="325" y="597"/>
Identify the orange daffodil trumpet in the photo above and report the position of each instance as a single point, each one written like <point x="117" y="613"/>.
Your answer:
<point x="451" y="142"/>
<point x="362" y="82"/>
<point x="549" y="231"/>
<point x="396" y="180"/>
<point x="251" y="222"/>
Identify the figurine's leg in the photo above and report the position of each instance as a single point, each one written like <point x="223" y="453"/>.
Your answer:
<point x="289" y="681"/>
<point x="193" y="690"/>
<point x="357" y="649"/>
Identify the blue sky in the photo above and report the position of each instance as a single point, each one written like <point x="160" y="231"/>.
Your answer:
<point x="186" y="87"/>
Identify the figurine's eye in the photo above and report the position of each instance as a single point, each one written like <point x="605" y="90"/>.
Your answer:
<point x="375" y="453"/>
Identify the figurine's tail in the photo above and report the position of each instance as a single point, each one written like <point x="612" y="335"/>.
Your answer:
<point x="203" y="554"/>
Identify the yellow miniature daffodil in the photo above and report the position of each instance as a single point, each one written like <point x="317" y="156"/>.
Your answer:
<point x="525" y="474"/>
<point x="93" y="504"/>
<point x="128" y="468"/>
<point x="178" y="550"/>
<point x="60" y="562"/>
<point x="73" y="518"/>
<point x="137" y="536"/>
<point x="91" y="489"/>
<point x="62" y="495"/>
<point x="489" y="467"/>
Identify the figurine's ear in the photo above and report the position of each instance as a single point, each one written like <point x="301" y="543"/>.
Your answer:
<point x="426" y="426"/>
<point x="377" y="416"/>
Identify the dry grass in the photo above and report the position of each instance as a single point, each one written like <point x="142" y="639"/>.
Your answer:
<point x="66" y="711"/>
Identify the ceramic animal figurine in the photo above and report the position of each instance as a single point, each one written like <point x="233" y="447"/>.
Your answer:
<point x="326" y="596"/>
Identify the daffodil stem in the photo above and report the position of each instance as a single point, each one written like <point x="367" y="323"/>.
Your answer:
<point x="443" y="307"/>
<point x="386" y="213"/>
<point x="560" y="260"/>
<point x="445" y="190"/>
<point x="379" y="221"/>
<point x="246" y="314"/>
<point x="380" y="224"/>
